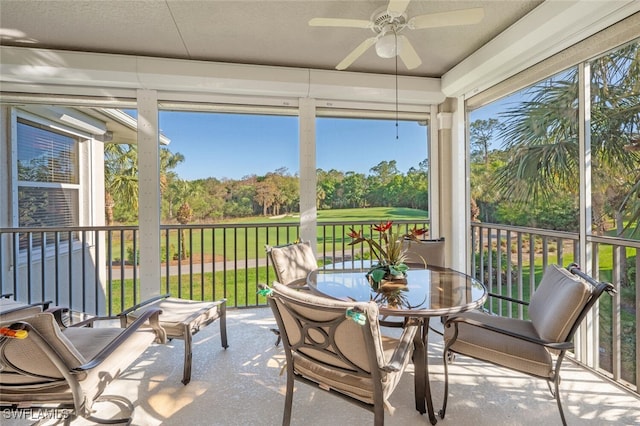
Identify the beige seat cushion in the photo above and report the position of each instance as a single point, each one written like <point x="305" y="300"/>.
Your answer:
<point x="351" y="342"/>
<point x="353" y="385"/>
<point x="90" y="341"/>
<point x="178" y="313"/>
<point x="425" y="252"/>
<point x="557" y="302"/>
<point x="293" y="262"/>
<point x="499" y="348"/>
<point x="75" y="346"/>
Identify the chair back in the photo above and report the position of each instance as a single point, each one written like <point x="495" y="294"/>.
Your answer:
<point x="38" y="358"/>
<point x="562" y="300"/>
<point x="423" y="253"/>
<point x="322" y="340"/>
<point x="292" y="262"/>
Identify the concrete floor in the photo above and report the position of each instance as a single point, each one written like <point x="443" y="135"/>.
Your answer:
<point x="243" y="386"/>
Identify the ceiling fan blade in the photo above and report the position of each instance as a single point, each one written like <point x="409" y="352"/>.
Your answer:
<point x="339" y="22"/>
<point x="355" y="53"/>
<point x="447" y="19"/>
<point x="408" y="54"/>
<point x="397" y="7"/>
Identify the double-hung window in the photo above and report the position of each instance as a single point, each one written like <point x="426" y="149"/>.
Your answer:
<point x="48" y="177"/>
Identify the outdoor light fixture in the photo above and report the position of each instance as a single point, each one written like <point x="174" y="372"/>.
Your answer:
<point x="387" y="46"/>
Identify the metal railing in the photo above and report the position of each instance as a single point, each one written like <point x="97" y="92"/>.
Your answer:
<point x="95" y="270"/>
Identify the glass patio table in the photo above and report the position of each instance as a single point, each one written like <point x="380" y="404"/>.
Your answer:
<point x="430" y="292"/>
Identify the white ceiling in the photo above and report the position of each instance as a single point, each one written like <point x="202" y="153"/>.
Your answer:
<point x="264" y="32"/>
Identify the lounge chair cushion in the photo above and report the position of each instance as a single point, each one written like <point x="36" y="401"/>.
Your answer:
<point x="180" y="313"/>
<point x="25" y="354"/>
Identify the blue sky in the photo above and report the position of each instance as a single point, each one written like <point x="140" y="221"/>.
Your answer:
<point x="236" y="145"/>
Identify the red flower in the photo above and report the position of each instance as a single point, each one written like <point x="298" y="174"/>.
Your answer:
<point x="417" y="232"/>
<point x="354" y="234"/>
<point x="383" y="227"/>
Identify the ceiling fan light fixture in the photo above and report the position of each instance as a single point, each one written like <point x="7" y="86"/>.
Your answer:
<point x="388" y="46"/>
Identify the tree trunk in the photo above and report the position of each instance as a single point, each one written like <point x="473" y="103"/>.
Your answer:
<point x="108" y="208"/>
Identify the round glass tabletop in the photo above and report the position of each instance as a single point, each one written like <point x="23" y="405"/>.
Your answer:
<point x="427" y="292"/>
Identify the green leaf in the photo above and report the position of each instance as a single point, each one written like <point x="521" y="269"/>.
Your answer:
<point x="377" y="274"/>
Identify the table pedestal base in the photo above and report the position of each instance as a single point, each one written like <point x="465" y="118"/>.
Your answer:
<point x="421" y="367"/>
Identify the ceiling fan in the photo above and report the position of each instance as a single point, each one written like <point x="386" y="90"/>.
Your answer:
<point x="387" y="24"/>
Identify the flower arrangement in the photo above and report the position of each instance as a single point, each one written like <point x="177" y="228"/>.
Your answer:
<point x="388" y="250"/>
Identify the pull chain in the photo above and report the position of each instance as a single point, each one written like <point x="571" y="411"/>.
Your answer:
<point x="396" y="58"/>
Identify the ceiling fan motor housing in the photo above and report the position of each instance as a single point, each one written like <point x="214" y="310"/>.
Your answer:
<point x="387" y="27"/>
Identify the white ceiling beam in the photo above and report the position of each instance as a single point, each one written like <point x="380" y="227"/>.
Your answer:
<point x="548" y="29"/>
<point x="104" y="73"/>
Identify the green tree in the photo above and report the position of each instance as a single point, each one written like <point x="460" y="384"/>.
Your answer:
<point x="168" y="162"/>
<point x="482" y="133"/>
<point x="265" y="194"/>
<point x="121" y="178"/>
<point x="541" y="136"/>
<point x="378" y="183"/>
<point x="329" y="183"/>
<point x="354" y="187"/>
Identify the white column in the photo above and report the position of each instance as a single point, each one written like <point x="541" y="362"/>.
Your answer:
<point x="454" y="186"/>
<point x="587" y="336"/>
<point x="460" y="189"/>
<point x="584" y="136"/>
<point x="308" y="176"/>
<point x="433" y="150"/>
<point x="149" y="193"/>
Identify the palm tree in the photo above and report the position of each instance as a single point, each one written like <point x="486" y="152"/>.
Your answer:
<point x="168" y="162"/>
<point x="541" y="136"/>
<point x="183" y="191"/>
<point x="121" y="177"/>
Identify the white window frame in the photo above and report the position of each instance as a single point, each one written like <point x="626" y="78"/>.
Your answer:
<point x="81" y="137"/>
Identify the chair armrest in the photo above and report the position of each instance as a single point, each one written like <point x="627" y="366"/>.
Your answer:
<point x="510" y="299"/>
<point x="57" y="312"/>
<point x="151" y="315"/>
<point x="546" y="343"/>
<point x="405" y="345"/>
<point x="45" y="304"/>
